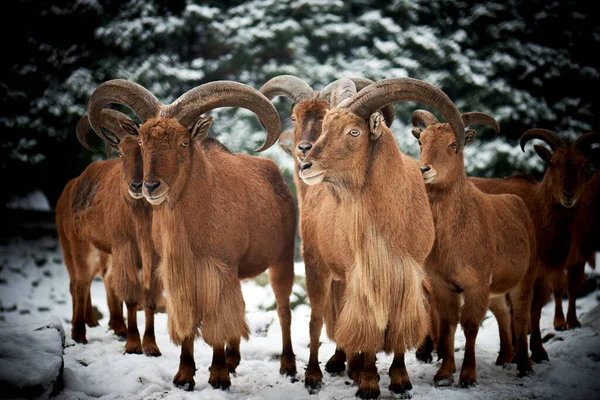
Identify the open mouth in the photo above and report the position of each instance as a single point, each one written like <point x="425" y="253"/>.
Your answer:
<point x="312" y="179"/>
<point x="156" y="200"/>
<point x="429" y="178"/>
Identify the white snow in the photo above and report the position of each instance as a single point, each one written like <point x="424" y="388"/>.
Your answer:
<point x="35" y="200"/>
<point x="34" y="286"/>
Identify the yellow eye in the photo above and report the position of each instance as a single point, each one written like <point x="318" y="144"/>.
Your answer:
<point x="140" y="142"/>
<point x="453" y="145"/>
<point x="293" y="119"/>
<point x="354" y="133"/>
<point x="184" y="144"/>
<point x="120" y="154"/>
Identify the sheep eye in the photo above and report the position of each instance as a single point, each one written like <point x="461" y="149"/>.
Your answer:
<point x="120" y="154"/>
<point x="140" y="142"/>
<point x="453" y="145"/>
<point x="354" y="133"/>
<point x="418" y="141"/>
<point x="293" y="119"/>
<point x="184" y="144"/>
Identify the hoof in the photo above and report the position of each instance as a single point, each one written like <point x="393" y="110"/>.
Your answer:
<point x="222" y="384"/>
<point x="368" y="393"/>
<point x="133" y="348"/>
<point x="184" y="384"/>
<point x="539" y="357"/>
<point x="313" y="384"/>
<point x="401" y="389"/>
<point x="335" y="367"/>
<point x="152" y="351"/>
<point x="424" y="357"/>
<point x="443" y="381"/>
<point x="287" y="365"/>
<point x="467" y="383"/>
<point x="79" y="339"/>
<point x="574" y="324"/>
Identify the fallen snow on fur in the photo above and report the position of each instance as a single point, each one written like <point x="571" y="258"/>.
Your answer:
<point x="34" y="285"/>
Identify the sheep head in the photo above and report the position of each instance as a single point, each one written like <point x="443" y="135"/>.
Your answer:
<point x="116" y="138"/>
<point x="170" y="134"/>
<point x="351" y="129"/>
<point x="439" y="160"/>
<point x="565" y="174"/>
<point x="309" y="108"/>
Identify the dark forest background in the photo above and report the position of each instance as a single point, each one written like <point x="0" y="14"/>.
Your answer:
<point x="528" y="63"/>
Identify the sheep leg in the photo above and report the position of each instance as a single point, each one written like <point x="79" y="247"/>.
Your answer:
<point x="399" y="380"/>
<point x="90" y="318"/>
<point x="540" y="297"/>
<point x="115" y="308"/>
<point x="368" y="387"/>
<point x="474" y="309"/>
<point x="219" y="373"/>
<point x="317" y="289"/>
<point x="356" y="363"/>
<point x="575" y="277"/>
<point x="447" y="309"/>
<point x="232" y="355"/>
<point x="80" y="289"/>
<point x="133" y="344"/>
<point x="425" y="352"/>
<point x="520" y="299"/>
<point x="282" y="280"/>
<point x="187" y="367"/>
<point x="151" y="297"/>
<point x="337" y="363"/>
<point x="557" y="283"/>
<point x="500" y="309"/>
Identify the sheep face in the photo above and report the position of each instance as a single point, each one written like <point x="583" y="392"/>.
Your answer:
<point x="132" y="171"/>
<point x="565" y="173"/>
<point x="166" y="152"/>
<point x="439" y="161"/>
<point x="341" y="153"/>
<point x="307" y="117"/>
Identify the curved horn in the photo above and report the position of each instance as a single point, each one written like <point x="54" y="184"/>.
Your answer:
<point x="201" y="99"/>
<point x="423" y="117"/>
<point x="473" y="118"/>
<point x="325" y="95"/>
<point x="109" y="120"/>
<point x="552" y="139"/>
<point x="344" y="90"/>
<point x="124" y="92"/>
<point x="585" y="141"/>
<point x="289" y="86"/>
<point x="389" y="91"/>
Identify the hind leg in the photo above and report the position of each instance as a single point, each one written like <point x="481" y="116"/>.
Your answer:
<point x="540" y="298"/>
<point x="281" y="276"/>
<point x="83" y="260"/>
<point x="447" y="307"/>
<point x="399" y="380"/>
<point x="232" y="355"/>
<point x="575" y="277"/>
<point x="501" y="311"/>
<point x="337" y="363"/>
<point x="151" y="298"/>
<point x="521" y="299"/>
<point x="474" y="308"/>
<point x="368" y="387"/>
<point x="219" y="373"/>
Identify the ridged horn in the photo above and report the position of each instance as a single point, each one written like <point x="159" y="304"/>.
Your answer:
<point x="584" y="142"/>
<point x="393" y="90"/>
<point x="287" y="85"/>
<point x="344" y="90"/>
<point x="388" y="111"/>
<point x="109" y="120"/>
<point x="552" y="139"/>
<point x="120" y="91"/>
<point x="423" y="117"/>
<point x="479" y="118"/>
<point x="201" y="99"/>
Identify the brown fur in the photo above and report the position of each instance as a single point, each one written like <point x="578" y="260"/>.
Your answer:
<point x="484" y="248"/>
<point x="553" y="223"/>
<point x="95" y="213"/>
<point x="370" y="225"/>
<point x="224" y="217"/>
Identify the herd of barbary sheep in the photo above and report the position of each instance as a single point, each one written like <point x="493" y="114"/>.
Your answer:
<point x="397" y="251"/>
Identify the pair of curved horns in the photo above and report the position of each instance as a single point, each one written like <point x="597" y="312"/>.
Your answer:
<point x="188" y="107"/>
<point x="109" y="119"/>
<point x="583" y="143"/>
<point x="389" y="91"/>
<point x="427" y="118"/>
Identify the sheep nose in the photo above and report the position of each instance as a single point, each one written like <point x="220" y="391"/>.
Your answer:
<point x="151" y="186"/>
<point x="304" y="147"/>
<point x="136" y="185"/>
<point x="568" y="195"/>
<point x="424" y="168"/>
<point x="305" y="165"/>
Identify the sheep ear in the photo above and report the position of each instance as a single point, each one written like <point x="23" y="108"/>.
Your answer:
<point x="469" y="136"/>
<point x="416" y="132"/>
<point x="375" y="128"/>
<point x="200" y="128"/>
<point x="286" y="142"/>
<point x="544" y="153"/>
<point x="129" y="126"/>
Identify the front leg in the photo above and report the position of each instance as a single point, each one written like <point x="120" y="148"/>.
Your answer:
<point x="447" y="307"/>
<point x="368" y="387"/>
<point x="187" y="367"/>
<point x="575" y="278"/>
<point x="219" y="373"/>
<point x="476" y="302"/>
<point x="399" y="380"/>
<point x="317" y="288"/>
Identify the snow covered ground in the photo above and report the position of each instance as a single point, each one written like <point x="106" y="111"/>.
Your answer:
<point x="34" y="287"/>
